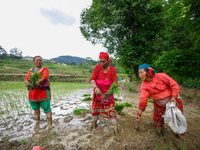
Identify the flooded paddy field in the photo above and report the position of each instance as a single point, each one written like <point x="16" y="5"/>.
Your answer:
<point x="18" y="129"/>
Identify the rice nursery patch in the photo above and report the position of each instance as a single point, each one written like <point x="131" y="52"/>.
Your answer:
<point x="78" y="111"/>
<point x="87" y="99"/>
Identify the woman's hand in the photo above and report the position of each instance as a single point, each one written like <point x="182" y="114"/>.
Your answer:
<point x="173" y="99"/>
<point x="27" y="83"/>
<point x="97" y="91"/>
<point x="138" y="116"/>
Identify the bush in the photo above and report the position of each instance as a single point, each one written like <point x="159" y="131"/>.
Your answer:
<point x="192" y="84"/>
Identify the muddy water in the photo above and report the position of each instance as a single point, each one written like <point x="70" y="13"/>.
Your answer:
<point x="74" y="131"/>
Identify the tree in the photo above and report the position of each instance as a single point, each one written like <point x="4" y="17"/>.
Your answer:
<point x="125" y="28"/>
<point x="3" y="53"/>
<point x="15" y="53"/>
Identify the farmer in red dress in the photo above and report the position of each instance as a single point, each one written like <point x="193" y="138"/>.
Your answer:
<point x="102" y="78"/>
<point x="39" y="93"/>
<point x="162" y="89"/>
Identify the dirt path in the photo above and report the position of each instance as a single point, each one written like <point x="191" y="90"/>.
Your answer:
<point x="74" y="131"/>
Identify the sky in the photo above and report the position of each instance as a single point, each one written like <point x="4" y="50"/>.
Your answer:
<point x="49" y="28"/>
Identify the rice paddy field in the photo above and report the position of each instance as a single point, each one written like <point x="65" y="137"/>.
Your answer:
<point x="18" y="129"/>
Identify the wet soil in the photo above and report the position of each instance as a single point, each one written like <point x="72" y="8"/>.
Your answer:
<point x="74" y="131"/>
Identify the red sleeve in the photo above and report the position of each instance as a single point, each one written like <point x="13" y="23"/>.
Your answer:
<point x="27" y="75"/>
<point x="114" y="77"/>
<point x="173" y="85"/>
<point x="95" y="73"/>
<point x="144" y="94"/>
<point x="45" y="74"/>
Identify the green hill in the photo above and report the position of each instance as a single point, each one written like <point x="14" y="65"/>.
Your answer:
<point x="69" y="59"/>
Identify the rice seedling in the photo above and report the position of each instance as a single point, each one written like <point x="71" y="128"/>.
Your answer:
<point x="22" y="141"/>
<point x="4" y="121"/>
<point x="34" y="78"/>
<point x="150" y="101"/>
<point x="4" y="139"/>
<point x="78" y="111"/>
<point x="114" y="89"/>
<point x="87" y="99"/>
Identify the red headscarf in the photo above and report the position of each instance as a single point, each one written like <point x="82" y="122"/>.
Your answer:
<point x="104" y="55"/>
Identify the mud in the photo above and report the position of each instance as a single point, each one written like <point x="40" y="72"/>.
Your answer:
<point x="74" y="131"/>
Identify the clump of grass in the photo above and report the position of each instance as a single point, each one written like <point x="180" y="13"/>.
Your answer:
<point x="150" y="101"/>
<point x="78" y="111"/>
<point x="34" y="78"/>
<point x="87" y="99"/>
<point x="130" y="89"/>
<point x="86" y="95"/>
<point x="127" y="104"/>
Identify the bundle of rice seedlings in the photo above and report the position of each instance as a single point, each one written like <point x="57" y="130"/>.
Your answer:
<point x="78" y="111"/>
<point x="114" y="89"/>
<point x="119" y="108"/>
<point x="35" y="78"/>
<point x="87" y="99"/>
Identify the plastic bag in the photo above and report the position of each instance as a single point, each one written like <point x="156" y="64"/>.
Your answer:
<point x="174" y="118"/>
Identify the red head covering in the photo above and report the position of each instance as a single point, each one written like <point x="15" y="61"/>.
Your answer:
<point x="104" y="55"/>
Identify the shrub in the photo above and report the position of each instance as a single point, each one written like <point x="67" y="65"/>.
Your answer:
<point x="192" y="84"/>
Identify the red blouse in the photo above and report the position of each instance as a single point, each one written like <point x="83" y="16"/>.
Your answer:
<point x="99" y="74"/>
<point x="39" y="94"/>
<point x="161" y="87"/>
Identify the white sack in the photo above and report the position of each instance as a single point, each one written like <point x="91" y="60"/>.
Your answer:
<point x="174" y="118"/>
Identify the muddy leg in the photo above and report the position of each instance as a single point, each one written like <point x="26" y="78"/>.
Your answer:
<point x="37" y="115"/>
<point x="49" y="118"/>
<point x="95" y="118"/>
<point x="115" y="126"/>
<point x="160" y="131"/>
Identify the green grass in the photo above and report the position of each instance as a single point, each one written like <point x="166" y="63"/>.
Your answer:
<point x="87" y="99"/>
<point x="78" y="111"/>
<point x="115" y="99"/>
<point x="54" y="68"/>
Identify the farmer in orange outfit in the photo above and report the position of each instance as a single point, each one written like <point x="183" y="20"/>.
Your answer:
<point x="39" y="93"/>
<point x="162" y="89"/>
